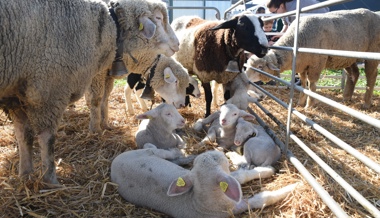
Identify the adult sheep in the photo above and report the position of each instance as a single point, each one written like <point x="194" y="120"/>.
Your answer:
<point x="353" y="30"/>
<point x="208" y="190"/>
<point x="140" y="55"/>
<point x="214" y="50"/>
<point x="50" y="52"/>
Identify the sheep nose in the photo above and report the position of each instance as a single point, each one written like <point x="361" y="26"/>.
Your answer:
<point x="223" y="121"/>
<point x="181" y="105"/>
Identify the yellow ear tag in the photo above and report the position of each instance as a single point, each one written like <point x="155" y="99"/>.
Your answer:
<point x="167" y="76"/>
<point x="141" y="27"/>
<point x="223" y="186"/>
<point x="180" y="182"/>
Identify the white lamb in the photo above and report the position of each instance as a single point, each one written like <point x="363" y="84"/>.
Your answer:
<point x="259" y="147"/>
<point x="158" y="127"/>
<point x="208" y="190"/>
<point x="223" y="125"/>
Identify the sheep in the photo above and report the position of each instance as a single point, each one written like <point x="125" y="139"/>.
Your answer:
<point x="214" y="50"/>
<point x="208" y="190"/>
<point x="49" y="55"/>
<point x="223" y="125"/>
<point x="158" y="127"/>
<point x="333" y="30"/>
<point x="140" y="56"/>
<point x="170" y="80"/>
<point x="259" y="149"/>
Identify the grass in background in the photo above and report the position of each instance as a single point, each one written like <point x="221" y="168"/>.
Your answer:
<point x="337" y="81"/>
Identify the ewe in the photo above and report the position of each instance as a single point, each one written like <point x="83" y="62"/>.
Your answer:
<point x="140" y="54"/>
<point x="353" y="30"/>
<point x="50" y="53"/>
<point x="214" y="50"/>
<point x="208" y="190"/>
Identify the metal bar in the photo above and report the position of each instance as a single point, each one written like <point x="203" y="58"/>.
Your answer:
<point x="326" y="198"/>
<point x="232" y="7"/>
<point x="342" y="53"/>
<point x="217" y="15"/>
<point x="363" y="117"/>
<point x="366" y="204"/>
<point x="355" y="153"/>
<point x="308" y="8"/>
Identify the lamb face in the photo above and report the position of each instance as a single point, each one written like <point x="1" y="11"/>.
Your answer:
<point x="244" y="130"/>
<point x="229" y="114"/>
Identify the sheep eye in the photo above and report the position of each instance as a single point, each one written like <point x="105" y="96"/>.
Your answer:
<point x="235" y="114"/>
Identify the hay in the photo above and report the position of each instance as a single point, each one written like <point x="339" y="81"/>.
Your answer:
<point x="83" y="163"/>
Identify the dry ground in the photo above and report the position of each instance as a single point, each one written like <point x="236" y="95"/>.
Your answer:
<point x="83" y="163"/>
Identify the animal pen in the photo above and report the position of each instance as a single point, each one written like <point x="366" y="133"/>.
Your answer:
<point x="344" y="182"/>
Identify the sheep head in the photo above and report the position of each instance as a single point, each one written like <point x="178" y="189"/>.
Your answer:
<point x="268" y="64"/>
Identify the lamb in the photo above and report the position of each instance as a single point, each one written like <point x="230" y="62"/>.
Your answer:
<point x="170" y="80"/>
<point x="259" y="147"/>
<point x="214" y="50"/>
<point x="48" y="58"/>
<point x="223" y="125"/>
<point x="333" y="30"/>
<point x="208" y="190"/>
<point x="158" y="127"/>
<point x="140" y="56"/>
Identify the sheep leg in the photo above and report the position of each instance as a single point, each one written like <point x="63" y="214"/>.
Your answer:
<point x="128" y="101"/>
<point x="25" y="137"/>
<point x="215" y="86"/>
<point x="244" y="175"/>
<point x="104" y="106"/>
<point x="352" y="77"/>
<point x="141" y="101"/>
<point x="208" y="97"/>
<point x="371" y="74"/>
<point x="264" y="199"/>
<point x="46" y="140"/>
<point x="303" y="97"/>
<point x="94" y="99"/>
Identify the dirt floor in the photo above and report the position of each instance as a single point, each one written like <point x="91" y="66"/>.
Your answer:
<point x="83" y="163"/>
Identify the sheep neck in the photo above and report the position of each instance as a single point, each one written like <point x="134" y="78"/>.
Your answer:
<point x="152" y="68"/>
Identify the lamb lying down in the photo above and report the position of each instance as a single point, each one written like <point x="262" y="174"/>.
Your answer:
<point x="157" y="130"/>
<point x="259" y="147"/>
<point x="223" y="125"/>
<point x="207" y="190"/>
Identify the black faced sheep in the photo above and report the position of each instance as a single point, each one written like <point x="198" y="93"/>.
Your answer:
<point x="214" y="50"/>
<point x="352" y="30"/>
<point x="50" y="52"/>
<point x="208" y="190"/>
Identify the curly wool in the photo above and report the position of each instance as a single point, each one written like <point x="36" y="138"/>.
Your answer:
<point x="178" y="70"/>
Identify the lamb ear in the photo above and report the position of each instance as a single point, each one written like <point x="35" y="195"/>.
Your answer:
<point x="230" y="186"/>
<point x="180" y="186"/>
<point x="169" y="76"/>
<point x="147" y="27"/>
<point x="229" y="24"/>
<point x="246" y="116"/>
<point x="147" y="115"/>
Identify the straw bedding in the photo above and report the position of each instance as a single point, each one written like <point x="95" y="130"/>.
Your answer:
<point x="83" y="163"/>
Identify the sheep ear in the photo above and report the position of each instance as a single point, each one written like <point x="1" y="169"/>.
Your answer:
<point x="147" y="27"/>
<point x="230" y="186"/>
<point x="169" y="76"/>
<point x="246" y="116"/>
<point x="272" y="66"/>
<point x="230" y="24"/>
<point x="147" y="115"/>
<point x="180" y="186"/>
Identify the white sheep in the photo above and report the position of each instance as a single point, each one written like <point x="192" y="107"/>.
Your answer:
<point x="49" y="55"/>
<point x="259" y="149"/>
<point x="139" y="56"/>
<point x="208" y="190"/>
<point x="214" y="50"/>
<point x="158" y="127"/>
<point x="223" y="125"/>
<point x="353" y="30"/>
